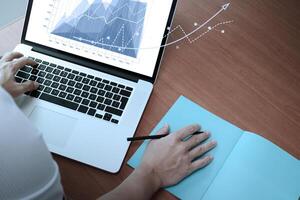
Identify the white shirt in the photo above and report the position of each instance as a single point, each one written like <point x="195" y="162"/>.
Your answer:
<point x="27" y="170"/>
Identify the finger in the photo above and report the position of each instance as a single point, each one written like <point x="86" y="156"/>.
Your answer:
<point x="196" y="139"/>
<point x="200" y="163"/>
<point x="10" y="56"/>
<point x="186" y="131"/>
<point x="21" y="62"/>
<point x="26" y="87"/>
<point x="201" y="149"/>
<point x="163" y="130"/>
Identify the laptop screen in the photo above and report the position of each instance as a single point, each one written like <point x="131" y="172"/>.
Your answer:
<point x="123" y="33"/>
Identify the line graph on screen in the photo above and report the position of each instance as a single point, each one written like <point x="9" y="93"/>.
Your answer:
<point x="114" y="25"/>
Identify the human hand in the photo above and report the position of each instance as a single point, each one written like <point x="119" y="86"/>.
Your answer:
<point x="172" y="158"/>
<point x="9" y="65"/>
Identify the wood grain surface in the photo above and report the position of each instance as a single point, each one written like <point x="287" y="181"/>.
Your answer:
<point x="250" y="76"/>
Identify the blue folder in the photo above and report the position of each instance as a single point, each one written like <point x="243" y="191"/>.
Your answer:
<point x="246" y="166"/>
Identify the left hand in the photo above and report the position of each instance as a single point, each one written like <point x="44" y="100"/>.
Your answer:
<point x="9" y="65"/>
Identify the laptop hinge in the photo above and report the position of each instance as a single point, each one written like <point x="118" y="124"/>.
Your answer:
<point x="87" y="63"/>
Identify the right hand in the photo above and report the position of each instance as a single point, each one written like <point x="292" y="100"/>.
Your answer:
<point x="172" y="158"/>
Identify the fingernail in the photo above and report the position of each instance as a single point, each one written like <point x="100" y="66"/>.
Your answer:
<point x="36" y="84"/>
<point x="214" y="142"/>
<point x="208" y="133"/>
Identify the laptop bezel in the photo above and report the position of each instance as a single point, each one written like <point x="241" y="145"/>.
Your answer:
<point x="113" y="70"/>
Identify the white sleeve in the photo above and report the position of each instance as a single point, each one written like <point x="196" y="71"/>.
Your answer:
<point x="27" y="170"/>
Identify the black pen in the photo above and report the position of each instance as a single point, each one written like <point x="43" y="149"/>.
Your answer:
<point x="153" y="137"/>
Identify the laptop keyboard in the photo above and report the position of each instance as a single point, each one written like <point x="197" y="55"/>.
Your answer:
<point x="75" y="90"/>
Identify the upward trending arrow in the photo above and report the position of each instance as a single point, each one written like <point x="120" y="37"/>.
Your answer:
<point x="225" y="6"/>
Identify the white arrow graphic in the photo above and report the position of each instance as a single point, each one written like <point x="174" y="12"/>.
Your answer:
<point x="224" y="7"/>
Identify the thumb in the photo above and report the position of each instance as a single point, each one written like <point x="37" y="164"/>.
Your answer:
<point x="26" y="87"/>
<point x="163" y="130"/>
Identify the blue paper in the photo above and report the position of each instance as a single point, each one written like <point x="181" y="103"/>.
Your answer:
<point x="230" y="138"/>
<point x="257" y="169"/>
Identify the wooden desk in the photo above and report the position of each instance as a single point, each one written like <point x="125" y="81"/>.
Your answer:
<point x="250" y="76"/>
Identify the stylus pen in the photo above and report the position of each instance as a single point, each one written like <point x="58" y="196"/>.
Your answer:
<point x="153" y="137"/>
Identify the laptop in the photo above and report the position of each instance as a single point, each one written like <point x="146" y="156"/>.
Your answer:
<point x="97" y="63"/>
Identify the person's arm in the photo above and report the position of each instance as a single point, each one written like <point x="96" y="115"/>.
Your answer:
<point x="166" y="162"/>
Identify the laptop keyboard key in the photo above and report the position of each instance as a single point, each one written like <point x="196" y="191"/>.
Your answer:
<point x="35" y="94"/>
<point x="34" y="71"/>
<point x="84" y="94"/>
<point x="124" y="101"/>
<point x="125" y="93"/>
<point x="64" y="81"/>
<point x="115" y="90"/>
<point x="116" y="97"/>
<point x="59" y="101"/>
<point x="42" y="74"/>
<point x="56" y="78"/>
<point x="54" y="85"/>
<point x="113" y="111"/>
<point x="116" y="104"/>
<point x="78" y="99"/>
<point x="18" y="80"/>
<point x="63" y="74"/>
<point x="62" y="87"/>
<point x="78" y="78"/>
<point x="49" y="69"/>
<point x="86" y="81"/>
<point x="129" y="89"/>
<point x="105" y="81"/>
<point x="93" y="104"/>
<point x="41" y="67"/>
<point x="109" y="95"/>
<point x="86" y="102"/>
<point x="70" y="90"/>
<point x="107" y="117"/>
<point x="101" y="92"/>
<point x="83" y="109"/>
<point x="93" y="83"/>
<point x="45" y="63"/>
<point x="108" y="88"/>
<point x="100" y="106"/>
<point x="92" y="97"/>
<point x="47" y="90"/>
<point x="26" y="69"/>
<point x="70" y="97"/>
<point x="32" y="78"/>
<point x="71" y="76"/>
<point x="114" y="121"/>
<point x="99" y="116"/>
<point x="62" y="94"/>
<point x="101" y="85"/>
<point x="94" y="90"/>
<point x="49" y="76"/>
<point x="68" y="70"/>
<point x="79" y="85"/>
<point x="91" y="112"/>
<point x="107" y="102"/>
<point x="55" y="92"/>
<point x="77" y="92"/>
<point x="23" y="75"/>
<point x="100" y="99"/>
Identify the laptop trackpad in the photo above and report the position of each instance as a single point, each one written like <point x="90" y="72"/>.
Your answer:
<point x="55" y="127"/>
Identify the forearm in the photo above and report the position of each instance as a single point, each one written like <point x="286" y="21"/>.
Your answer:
<point x="141" y="184"/>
